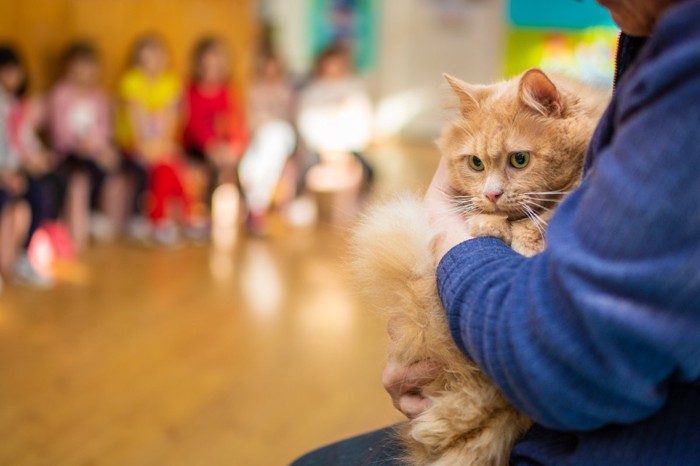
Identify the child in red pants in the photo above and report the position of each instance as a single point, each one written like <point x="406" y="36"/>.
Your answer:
<point x="146" y="126"/>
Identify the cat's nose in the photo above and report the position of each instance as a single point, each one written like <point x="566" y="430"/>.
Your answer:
<point x="493" y="196"/>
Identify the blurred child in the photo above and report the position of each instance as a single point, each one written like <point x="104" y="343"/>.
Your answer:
<point x="23" y="162"/>
<point x="335" y="120"/>
<point x="271" y="104"/>
<point x="271" y="96"/>
<point x="147" y="124"/>
<point x="80" y="127"/>
<point x="215" y="133"/>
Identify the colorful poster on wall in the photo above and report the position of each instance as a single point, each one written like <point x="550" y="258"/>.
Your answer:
<point x="348" y="22"/>
<point x="571" y="37"/>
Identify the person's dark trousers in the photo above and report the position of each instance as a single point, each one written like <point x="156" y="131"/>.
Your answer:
<point x="378" y="448"/>
<point x="37" y="198"/>
<point x="138" y="175"/>
<point x="75" y="162"/>
<point x="54" y="186"/>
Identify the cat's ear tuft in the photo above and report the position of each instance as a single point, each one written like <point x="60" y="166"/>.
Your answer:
<point x="466" y="93"/>
<point x="539" y="93"/>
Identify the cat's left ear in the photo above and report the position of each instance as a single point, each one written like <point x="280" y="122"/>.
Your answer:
<point x="539" y="93"/>
<point x="467" y="94"/>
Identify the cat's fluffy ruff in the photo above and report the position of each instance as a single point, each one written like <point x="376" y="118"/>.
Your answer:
<point x="470" y="422"/>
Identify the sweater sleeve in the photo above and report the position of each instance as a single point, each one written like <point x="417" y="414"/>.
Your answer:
<point x="592" y="331"/>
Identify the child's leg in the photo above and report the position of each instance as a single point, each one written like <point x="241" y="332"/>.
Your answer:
<point x="98" y="177"/>
<point x="180" y="196"/>
<point x="114" y="191"/>
<point x="169" y="202"/>
<point x="138" y="177"/>
<point x="261" y="167"/>
<point x="168" y="193"/>
<point x="159" y="182"/>
<point x="21" y="221"/>
<point x="7" y="238"/>
<point x="38" y="204"/>
<point x="77" y="209"/>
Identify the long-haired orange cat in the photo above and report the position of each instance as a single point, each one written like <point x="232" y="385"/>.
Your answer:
<point x="515" y="150"/>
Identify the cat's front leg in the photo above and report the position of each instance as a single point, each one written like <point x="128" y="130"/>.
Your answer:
<point x="495" y="226"/>
<point x="528" y="237"/>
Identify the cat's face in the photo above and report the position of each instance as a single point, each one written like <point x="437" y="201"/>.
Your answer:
<point x="514" y="148"/>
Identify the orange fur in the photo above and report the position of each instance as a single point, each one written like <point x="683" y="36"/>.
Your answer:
<point x="552" y="118"/>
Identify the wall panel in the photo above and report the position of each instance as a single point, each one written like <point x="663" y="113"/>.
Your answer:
<point x="41" y="28"/>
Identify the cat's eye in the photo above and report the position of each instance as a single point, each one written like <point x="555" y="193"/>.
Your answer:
<point x="520" y="159"/>
<point x="476" y="163"/>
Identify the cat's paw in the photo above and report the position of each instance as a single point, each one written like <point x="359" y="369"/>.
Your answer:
<point x="491" y="225"/>
<point x="528" y="239"/>
<point x="527" y="248"/>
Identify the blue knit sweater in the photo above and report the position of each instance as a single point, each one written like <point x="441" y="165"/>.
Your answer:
<point x="598" y="337"/>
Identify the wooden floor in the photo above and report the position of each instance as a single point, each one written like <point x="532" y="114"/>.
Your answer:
<point x="197" y="357"/>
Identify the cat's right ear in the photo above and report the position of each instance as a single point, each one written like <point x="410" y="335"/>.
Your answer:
<point x="539" y="93"/>
<point x="466" y="93"/>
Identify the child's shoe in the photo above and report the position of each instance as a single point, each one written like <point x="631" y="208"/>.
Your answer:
<point x="101" y="228"/>
<point x="256" y="224"/>
<point x="25" y="273"/>
<point x="198" y="232"/>
<point x="167" y="234"/>
<point x="138" y="230"/>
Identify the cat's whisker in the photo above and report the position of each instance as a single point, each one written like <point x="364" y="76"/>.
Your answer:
<point x="531" y="203"/>
<point x="552" y="191"/>
<point x="548" y="193"/>
<point x="554" y="201"/>
<point x="461" y="208"/>
<point x="535" y="219"/>
<point x="543" y="200"/>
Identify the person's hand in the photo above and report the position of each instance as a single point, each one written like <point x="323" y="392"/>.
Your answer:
<point x="13" y="182"/>
<point x="221" y="154"/>
<point x="405" y="383"/>
<point x="453" y="227"/>
<point x="108" y="158"/>
<point x="38" y="163"/>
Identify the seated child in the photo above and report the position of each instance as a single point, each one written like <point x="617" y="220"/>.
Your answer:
<point x="271" y="102"/>
<point x="146" y="129"/>
<point x="80" y="127"/>
<point x="23" y="161"/>
<point x="335" y="121"/>
<point x="214" y="128"/>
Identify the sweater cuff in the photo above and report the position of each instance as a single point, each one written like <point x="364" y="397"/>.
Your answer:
<point x="455" y="269"/>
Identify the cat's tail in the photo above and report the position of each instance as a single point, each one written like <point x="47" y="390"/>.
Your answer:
<point x="395" y="271"/>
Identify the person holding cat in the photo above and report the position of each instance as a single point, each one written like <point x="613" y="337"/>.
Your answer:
<point x="597" y="338"/>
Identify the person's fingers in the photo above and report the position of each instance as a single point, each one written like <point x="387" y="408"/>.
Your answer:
<point x="421" y="373"/>
<point x="402" y="379"/>
<point x="439" y="183"/>
<point x="412" y="405"/>
<point x="405" y="384"/>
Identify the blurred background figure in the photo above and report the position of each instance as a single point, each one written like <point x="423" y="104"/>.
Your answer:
<point x="215" y="133"/>
<point x="81" y="131"/>
<point x="215" y="129"/>
<point x="147" y="131"/>
<point x="271" y="106"/>
<point x="24" y="162"/>
<point x="335" y="120"/>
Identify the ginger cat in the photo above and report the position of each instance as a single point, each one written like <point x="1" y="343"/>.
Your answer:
<point x="514" y="152"/>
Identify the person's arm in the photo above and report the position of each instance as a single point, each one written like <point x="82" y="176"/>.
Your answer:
<point x="238" y="131"/>
<point x="591" y="331"/>
<point x="59" y="125"/>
